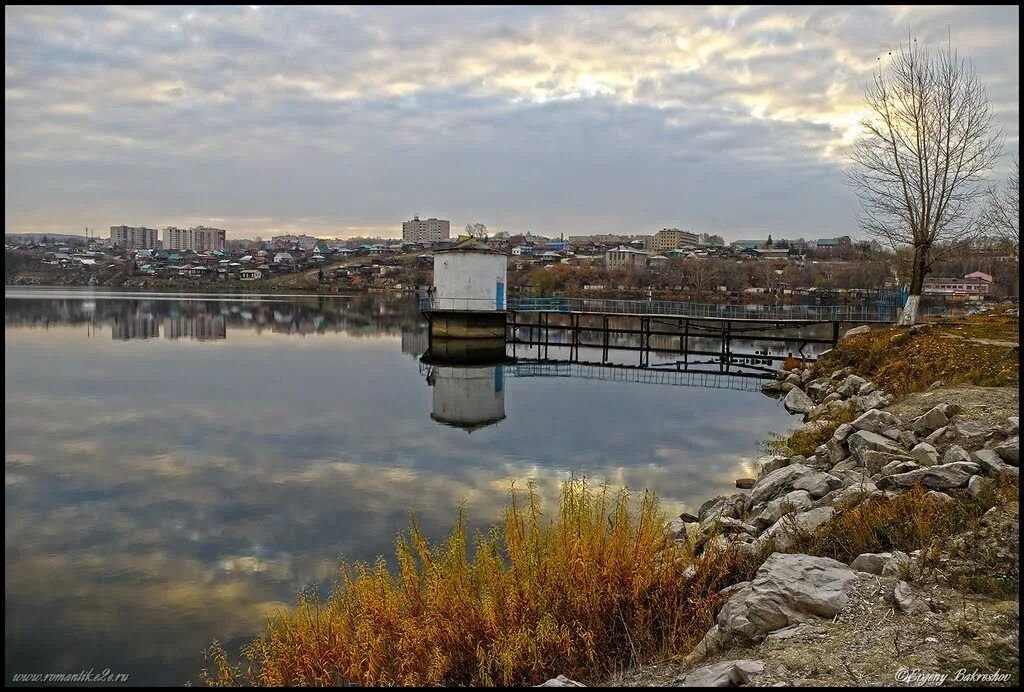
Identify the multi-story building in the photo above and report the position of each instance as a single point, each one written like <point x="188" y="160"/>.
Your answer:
<point x="669" y="239"/>
<point x="137" y="238"/>
<point x="177" y="238"/>
<point x="425" y="231"/>
<point x="197" y="238"/>
<point x="205" y="239"/>
<point x="624" y="256"/>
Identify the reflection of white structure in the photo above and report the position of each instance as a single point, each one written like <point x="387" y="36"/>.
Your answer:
<point x="468" y="398"/>
<point x="469" y="276"/>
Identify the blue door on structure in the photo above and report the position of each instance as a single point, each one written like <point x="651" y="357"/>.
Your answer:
<point x="499" y="300"/>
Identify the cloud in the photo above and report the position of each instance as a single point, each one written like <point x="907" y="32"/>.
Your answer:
<point x="549" y="119"/>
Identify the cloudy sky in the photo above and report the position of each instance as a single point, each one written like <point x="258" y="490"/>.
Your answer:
<point x="337" y="122"/>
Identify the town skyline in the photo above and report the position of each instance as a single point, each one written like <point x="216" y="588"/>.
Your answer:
<point x="345" y="122"/>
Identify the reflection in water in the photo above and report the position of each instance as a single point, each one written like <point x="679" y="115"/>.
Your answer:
<point x="162" y="492"/>
<point x="467" y="397"/>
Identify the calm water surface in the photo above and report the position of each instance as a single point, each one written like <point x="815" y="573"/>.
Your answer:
<point x="178" y="466"/>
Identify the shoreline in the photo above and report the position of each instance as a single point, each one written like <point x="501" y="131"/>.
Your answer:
<point x="947" y="453"/>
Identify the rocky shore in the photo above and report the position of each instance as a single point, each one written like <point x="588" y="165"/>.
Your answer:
<point x="811" y="620"/>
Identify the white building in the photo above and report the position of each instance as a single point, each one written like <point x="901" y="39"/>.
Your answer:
<point x="425" y="231"/>
<point x="138" y="238"/>
<point x="624" y="256"/>
<point x="197" y="238"/>
<point x="469" y="276"/>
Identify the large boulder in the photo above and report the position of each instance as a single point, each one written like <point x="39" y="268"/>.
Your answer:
<point x="724" y="674"/>
<point x="925" y="454"/>
<point x="991" y="463"/>
<point x="785" y="532"/>
<point x="876" y="421"/>
<point x="941" y="477"/>
<point x="955" y="453"/>
<point x="787" y="589"/>
<point x="863" y="329"/>
<point x="875" y="461"/>
<point x="795" y="501"/>
<point x="797" y="402"/>
<point x="930" y="421"/>
<point x="776" y="483"/>
<point x="817" y="483"/>
<point x="864" y="440"/>
<point x="766" y="465"/>
<point x="851" y="385"/>
<point x="1009" y="451"/>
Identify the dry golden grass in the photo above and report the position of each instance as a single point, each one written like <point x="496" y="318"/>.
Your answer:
<point x="598" y="588"/>
<point x="908" y="522"/>
<point x="902" y="361"/>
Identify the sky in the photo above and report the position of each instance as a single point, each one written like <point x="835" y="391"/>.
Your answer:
<point x="339" y="121"/>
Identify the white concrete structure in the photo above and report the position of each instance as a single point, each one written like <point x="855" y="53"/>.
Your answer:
<point x="468" y="398"/>
<point x="470" y="277"/>
<point x="425" y="231"/>
<point x="136" y="237"/>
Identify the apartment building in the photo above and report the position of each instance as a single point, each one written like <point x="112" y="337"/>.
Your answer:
<point x="426" y="230"/>
<point x="197" y="238"/>
<point x="135" y="238"/>
<point x="669" y="239"/>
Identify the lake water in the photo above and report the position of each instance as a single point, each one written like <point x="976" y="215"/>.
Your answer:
<point x="178" y="466"/>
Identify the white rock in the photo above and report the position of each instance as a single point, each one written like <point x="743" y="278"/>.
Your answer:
<point x="817" y="483"/>
<point x="955" y="453"/>
<point x="787" y="589"/>
<point x="724" y="674"/>
<point x="930" y="421"/>
<point x="925" y="454"/>
<point x="897" y="564"/>
<point x="795" y="501"/>
<point x="990" y="462"/>
<point x="873" y="563"/>
<point x="908" y="601"/>
<point x="776" y="483"/>
<point x="797" y="402"/>
<point x="789" y="528"/>
<point x="560" y="681"/>
<point x="863" y="329"/>
<point x="1009" y="451"/>
<point x="851" y="385"/>
<point x="941" y="477"/>
<point x="866" y="440"/>
<point x="876" y="421"/>
<point x="978" y="485"/>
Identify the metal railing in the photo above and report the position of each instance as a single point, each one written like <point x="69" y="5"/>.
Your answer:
<point x="823" y="313"/>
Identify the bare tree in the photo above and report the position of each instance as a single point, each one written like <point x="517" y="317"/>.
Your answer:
<point x="920" y="167"/>
<point x="1002" y="212"/>
<point x="700" y="273"/>
<point x="476" y="230"/>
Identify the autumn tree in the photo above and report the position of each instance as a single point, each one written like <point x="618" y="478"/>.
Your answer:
<point x="921" y="165"/>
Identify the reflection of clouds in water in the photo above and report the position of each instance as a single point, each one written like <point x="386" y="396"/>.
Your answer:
<point x="165" y="495"/>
